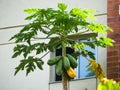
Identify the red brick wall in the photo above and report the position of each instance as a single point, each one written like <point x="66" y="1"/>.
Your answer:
<point x="113" y="54"/>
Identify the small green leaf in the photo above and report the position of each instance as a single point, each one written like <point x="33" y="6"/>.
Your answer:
<point x="20" y="66"/>
<point x="39" y="64"/>
<point x="30" y="67"/>
<point x="16" y="54"/>
<point x="62" y="6"/>
<point x="91" y="55"/>
<point x="104" y="41"/>
<point x="31" y="10"/>
<point x="90" y="13"/>
<point x="75" y="11"/>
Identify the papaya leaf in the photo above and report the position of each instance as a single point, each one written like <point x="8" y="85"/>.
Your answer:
<point x="103" y="41"/>
<point x="31" y="10"/>
<point x="20" y="66"/>
<point x="91" y="55"/>
<point x="62" y="6"/>
<point x="39" y="64"/>
<point x="29" y="65"/>
<point x="16" y="54"/>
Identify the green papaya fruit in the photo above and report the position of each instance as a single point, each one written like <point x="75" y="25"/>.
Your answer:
<point x="59" y="68"/>
<point x="66" y="63"/>
<point x="73" y="61"/>
<point x="54" y="60"/>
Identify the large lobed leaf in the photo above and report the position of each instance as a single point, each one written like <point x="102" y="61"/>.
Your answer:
<point x="29" y="64"/>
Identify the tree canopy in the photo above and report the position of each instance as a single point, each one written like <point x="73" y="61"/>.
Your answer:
<point x="75" y="28"/>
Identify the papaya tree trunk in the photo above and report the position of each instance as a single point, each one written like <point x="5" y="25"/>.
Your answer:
<point x="64" y="78"/>
<point x="64" y="82"/>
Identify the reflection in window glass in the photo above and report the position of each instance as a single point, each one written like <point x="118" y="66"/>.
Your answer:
<point x="82" y="69"/>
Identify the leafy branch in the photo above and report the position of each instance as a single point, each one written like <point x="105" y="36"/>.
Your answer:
<point x="74" y="29"/>
<point x="29" y="64"/>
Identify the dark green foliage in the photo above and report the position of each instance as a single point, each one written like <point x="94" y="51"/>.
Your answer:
<point x="87" y="53"/>
<point x="62" y="6"/>
<point x="29" y="64"/>
<point x="68" y="27"/>
<point x="27" y="49"/>
<point x="54" y="43"/>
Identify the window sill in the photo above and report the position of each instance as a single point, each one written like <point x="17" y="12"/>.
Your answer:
<point x="53" y="82"/>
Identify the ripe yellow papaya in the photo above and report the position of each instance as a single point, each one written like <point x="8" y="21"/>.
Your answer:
<point x="73" y="61"/>
<point x="66" y="63"/>
<point x="71" y="73"/>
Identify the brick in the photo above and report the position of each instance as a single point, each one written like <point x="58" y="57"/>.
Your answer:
<point x="114" y="25"/>
<point x="114" y="29"/>
<point x="113" y="13"/>
<point x="117" y="30"/>
<point x="112" y="53"/>
<point x="115" y="36"/>
<point x="117" y="41"/>
<point x="113" y="19"/>
<point x="111" y="76"/>
<point x="112" y="70"/>
<point x="113" y="7"/>
<point x="113" y="65"/>
<point x="113" y="2"/>
<point x="115" y="48"/>
<point x="110" y="32"/>
<point x="109" y="48"/>
<point x="112" y="59"/>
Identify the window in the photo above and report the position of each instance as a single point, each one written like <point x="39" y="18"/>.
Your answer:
<point x="82" y="69"/>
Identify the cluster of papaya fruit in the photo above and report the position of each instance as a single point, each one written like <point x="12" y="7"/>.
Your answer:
<point x="64" y="64"/>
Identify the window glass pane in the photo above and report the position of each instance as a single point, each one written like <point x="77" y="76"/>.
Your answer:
<point x="83" y="71"/>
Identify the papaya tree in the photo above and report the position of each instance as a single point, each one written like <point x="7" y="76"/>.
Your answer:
<point x="75" y="28"/>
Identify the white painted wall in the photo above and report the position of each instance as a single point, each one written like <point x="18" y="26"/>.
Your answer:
<point x="35" y="81"/>
<point x="11" y="14"/>
<point x="83" y="84"/>
<point x="12" y="11"/>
